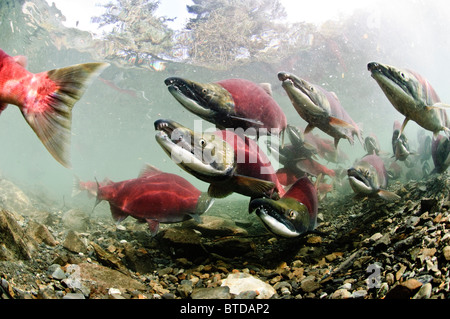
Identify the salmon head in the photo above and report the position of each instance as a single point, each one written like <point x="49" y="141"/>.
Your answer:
<point x="201" y="154"/>
<point x="292" y="215"/>
<point x="231" y="103"/>
<point x="308" y="99"/>
<point x="411" y="95"/>
<point x="400" y="144"/>
<point x="210" y="101"/>
<point x="440" y="152"/>
<point x="320" y="108"/>
<point x="229" y="162"/>
<point x="363" y="178"/>
<point x="368" y="177"/>
<point x="371" y="145"/>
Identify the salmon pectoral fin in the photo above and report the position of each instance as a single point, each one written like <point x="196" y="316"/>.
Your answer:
<point x="153" y="225"/>
<point x="196" y="218"/>
<point x="388" y="196"/>
<point x="220" y="190"/>
<point x="50" y="116"/>
<point x="247" y="186"/>
<point x="439" y="105"/>
<point x="117" y="214"/>
<point x="309" y="128"/>
<point x="245" y="122"/>
<point x="251" y="186"/>
<point x="341" y="124"/>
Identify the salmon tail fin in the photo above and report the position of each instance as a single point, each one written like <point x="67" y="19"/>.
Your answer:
<point x="50" y="116"/>
<point x="76" y="186"/>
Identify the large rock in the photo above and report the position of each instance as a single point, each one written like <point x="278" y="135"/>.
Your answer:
<point x="12" y="198"/>
<point x="240" y="282"/>
<point x="15" y="243"/>
<point x="40" y="233"/>
<point x="74" y="243"/>
<point x="93" y="279"/>
<point x="212" y="226"/>
<point x="231" y="247"/>
<point x="138" y="260"/>
<point x="75" y="219"/>
<point x="181" y="242"/>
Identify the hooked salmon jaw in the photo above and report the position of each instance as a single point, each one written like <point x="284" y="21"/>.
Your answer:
<point x="210" y="101"/>
<point x="188" y="97"/>
<point x="301" y="93"/>
<point x="397" y="85"/>
<point x="199" y="154"/>
<point x="359" y="182"/>
<point x="275" y="222"/>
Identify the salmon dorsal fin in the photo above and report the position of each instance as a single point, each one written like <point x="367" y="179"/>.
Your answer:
<point x="251" y="186"/>
<point x="266" y="87"/>
<point x="21" y="60"/>
<point x="148" y="171"/>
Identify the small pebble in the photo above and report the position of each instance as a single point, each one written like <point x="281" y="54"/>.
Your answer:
<point x="424" y="292"/>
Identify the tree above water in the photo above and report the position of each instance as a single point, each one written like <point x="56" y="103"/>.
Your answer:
<point x="226" y="32"/>
<point x="134" y="29"/>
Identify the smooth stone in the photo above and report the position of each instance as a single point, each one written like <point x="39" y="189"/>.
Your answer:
<point x="341" y="294"/>
<point x="424" y="292"/>
<point x="211" y="293"/>
<point x="309" y="284"/>
<point x="239" y="282"/>
<point x="446" y="252"/>
<point x="55" y="272"/>
<point x="74" y="296"/>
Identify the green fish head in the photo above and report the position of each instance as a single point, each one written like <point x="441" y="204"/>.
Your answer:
<point x="204" y="155"/>
<point x="401" y="87"/>
<point x="285" y="217"/>
<point x="210" y="101"/>
<point x="363" y="179"/>
<point x="306" y="97"/>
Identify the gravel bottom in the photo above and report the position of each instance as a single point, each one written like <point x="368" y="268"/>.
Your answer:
<point x="367" y="249"/>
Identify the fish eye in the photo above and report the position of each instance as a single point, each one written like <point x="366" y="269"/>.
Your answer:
<point x="202" y="142"/>
<point x="292" y="214"/>
<point x="204" y="91"/>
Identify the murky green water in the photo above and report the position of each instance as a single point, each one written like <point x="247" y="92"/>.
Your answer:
<point x="112" y="129"/>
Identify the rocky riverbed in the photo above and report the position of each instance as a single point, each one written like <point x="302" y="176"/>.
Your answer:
<point x="368" y="249"/>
